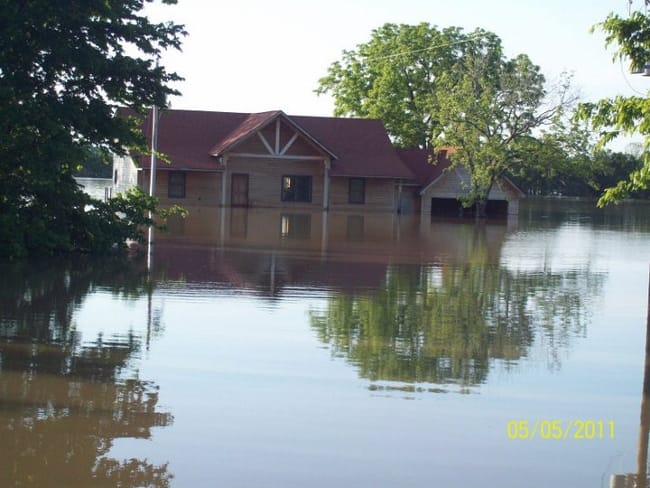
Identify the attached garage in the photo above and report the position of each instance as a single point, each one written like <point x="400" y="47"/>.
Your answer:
<point x="441" y="186"/>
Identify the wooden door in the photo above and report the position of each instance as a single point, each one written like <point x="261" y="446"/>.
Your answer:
<point x="239" y="190"/>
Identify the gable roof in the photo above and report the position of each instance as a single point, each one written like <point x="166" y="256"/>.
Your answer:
<point x="421" y="163"/>
<point x="257" y="121"/>
<point x="363" y="146"/>
<point x="252" y="123"/>
<point x="193" y="139"/>
<point x="424" y="164"/>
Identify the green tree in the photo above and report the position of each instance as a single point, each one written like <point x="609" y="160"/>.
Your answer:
<point x="613" y="117"/>
<point x="489" y="108"/>
<point x="95" y="164"/>
<point x="433" y="87"/>
<point x="65" y="67"/>
<point x="560" y="161"/>
<point x="393" y="77"/>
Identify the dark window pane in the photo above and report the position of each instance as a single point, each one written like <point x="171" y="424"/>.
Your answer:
<point x="176" y="185"/>
<point x="296" y="188"/>
<point x="357" y="190"/>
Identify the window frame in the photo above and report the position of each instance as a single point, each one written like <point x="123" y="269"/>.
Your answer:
<point x="173" y="187"/>
<point x="291" y="195"/>
<point x="361" y="192"/>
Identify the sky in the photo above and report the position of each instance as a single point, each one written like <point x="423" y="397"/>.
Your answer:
<point x="255" y="55"/>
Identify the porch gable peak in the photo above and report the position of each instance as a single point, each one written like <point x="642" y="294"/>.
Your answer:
<point x="273" y="135"/>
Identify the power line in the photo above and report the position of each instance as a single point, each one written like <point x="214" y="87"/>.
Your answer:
<point x="627" y="81"/>
<point x="414" y="51"/>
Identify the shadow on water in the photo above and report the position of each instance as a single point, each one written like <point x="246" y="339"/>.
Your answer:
<point x="63" y="400"/>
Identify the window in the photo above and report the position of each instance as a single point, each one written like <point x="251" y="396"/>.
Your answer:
<point x="296" y="188"/>
<point x="357" y="190"/>
<point x="176" y="184"/>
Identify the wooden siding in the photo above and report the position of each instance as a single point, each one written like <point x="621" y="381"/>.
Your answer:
<point x="381" y="194"/>
<point x="201" y="188"/>
<point x="265" y="180"/>
<point x="455" y="183"/>
<point x="302" y="147"/>
<point x="127" y="174"/>
<point x="252" y="144"/>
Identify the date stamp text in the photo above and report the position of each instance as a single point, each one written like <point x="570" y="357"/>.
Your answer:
<point x="554" y="429"/>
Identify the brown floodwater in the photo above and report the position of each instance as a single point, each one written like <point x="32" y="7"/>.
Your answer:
<point x="284" y="348"/>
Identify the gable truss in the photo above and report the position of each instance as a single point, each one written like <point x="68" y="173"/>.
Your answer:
<point x="276" y="148"/>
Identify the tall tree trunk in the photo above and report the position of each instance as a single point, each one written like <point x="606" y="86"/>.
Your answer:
<point x="481" y="209"/>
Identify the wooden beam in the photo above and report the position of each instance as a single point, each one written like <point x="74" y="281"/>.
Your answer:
<point x="276" y="156"/>
<point x="277" y="136"/>
<point x="265" y="142"/>
<point x="288" y="144"/>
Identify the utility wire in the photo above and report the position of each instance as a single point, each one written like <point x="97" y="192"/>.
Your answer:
<point x="414" y="51"/>
<point x="627" y="81"/>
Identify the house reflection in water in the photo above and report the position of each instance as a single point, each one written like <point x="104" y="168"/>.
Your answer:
<point x="405" y="238"/>
<point x="333" y="251"/>
<point x="405" y="303"/>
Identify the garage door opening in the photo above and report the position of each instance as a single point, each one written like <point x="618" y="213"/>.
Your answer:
<point x="451" y="207"/>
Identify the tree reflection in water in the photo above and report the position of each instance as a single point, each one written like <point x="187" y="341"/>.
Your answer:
<point x="62" y="403"/>
<point x="447" y="323"/>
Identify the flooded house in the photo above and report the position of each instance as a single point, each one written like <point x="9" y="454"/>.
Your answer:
<point x="271" y="159"/>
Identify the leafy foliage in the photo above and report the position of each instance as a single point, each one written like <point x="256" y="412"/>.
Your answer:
<point x="612" y="117"/>
<point x="435" y="87"/>
<point x="65" y="68"/>
<point x="489" y="107"/>
<point x="95" y="164"/>
<point x="393" y="77"/>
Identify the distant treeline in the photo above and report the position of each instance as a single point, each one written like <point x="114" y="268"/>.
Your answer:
<point x="579" y="176"/>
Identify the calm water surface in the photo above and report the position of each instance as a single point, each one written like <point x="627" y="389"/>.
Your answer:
<point x="278" y="349"/>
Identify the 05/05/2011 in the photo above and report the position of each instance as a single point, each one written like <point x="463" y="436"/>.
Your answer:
<point x="560" y="430"/>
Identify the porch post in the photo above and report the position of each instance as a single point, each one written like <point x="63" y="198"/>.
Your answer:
<point x="326" y="184"/>
<point x="399" y="196"/>
<point x="224" y="180"/>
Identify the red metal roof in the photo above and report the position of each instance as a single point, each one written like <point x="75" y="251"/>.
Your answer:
<point x="192" y="139"/>
<point x="362" y="146"/>
<point x="424" y="164"/>
<point x="252" y="123"/>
